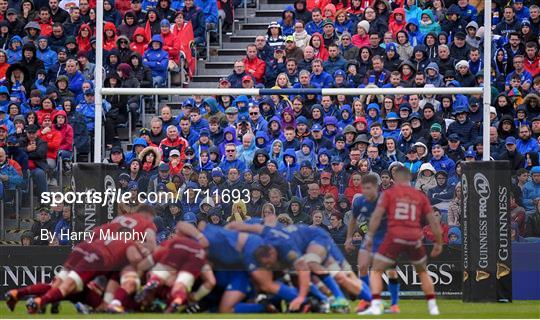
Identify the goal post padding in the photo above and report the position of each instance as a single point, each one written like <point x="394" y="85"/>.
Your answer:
<point x="486" y="228"/>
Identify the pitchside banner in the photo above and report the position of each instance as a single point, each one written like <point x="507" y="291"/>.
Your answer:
<point x="91" y="178"/>
<point x="487" y="254"/>
<point x="22" y="266"/>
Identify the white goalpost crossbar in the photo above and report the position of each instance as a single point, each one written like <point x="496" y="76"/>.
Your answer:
<point x="100" y="91"/>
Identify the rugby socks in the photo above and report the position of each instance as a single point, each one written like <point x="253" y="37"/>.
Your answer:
<point x="377" y="300"/>
<point x="248" y="308"/>
<point x="91" y="298"/>
<point x="179" y="294"/>
<point x="314" y="291"/>
<point x="365" y="292"/>
<point x="52" y="295"/>
<point x="332" y="286"/>
<point x="393" y="288"/>
<point x="287" y="293"/>
<point x="36" y="290"/>
<point x="432" y="304"/>
<point x="365" y="279"/>
<point x="431" y="300"/>
<point x="123" y="298"/>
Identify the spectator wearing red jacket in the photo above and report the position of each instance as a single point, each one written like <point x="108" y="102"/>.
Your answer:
<point x="532" y="59"/>
<point x="397" y="21"/>
<point x="109" y="40"/>
<point x="312" y="4"/>
<point x="253" y="65"/>
<point x="139" y="41"/>
<point x="327" y="187"/>
<point x="83" y="37"/>
<point x="47" y="109"/>
<point x="45" y="22"/>
<point x="183" y="34"/>
<point x="354" y="186"/>
<point x="65" y="130"/>
<point x="428" y="233"/>
<point x="53" y="139"/>
<point x="173" y="141"/>
<point x="170" y="44"/>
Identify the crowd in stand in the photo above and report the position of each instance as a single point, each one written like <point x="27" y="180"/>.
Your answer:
<point x="305" y="154"/>
<point x="47" y="70"/>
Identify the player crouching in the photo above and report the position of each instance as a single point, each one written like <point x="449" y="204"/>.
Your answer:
<point x="180" y="261"/>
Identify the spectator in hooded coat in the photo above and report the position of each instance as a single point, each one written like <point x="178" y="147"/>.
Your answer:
<point x="157" y="60"/>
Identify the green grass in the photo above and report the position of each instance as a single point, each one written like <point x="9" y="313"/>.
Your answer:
<point x="412" y="309"/>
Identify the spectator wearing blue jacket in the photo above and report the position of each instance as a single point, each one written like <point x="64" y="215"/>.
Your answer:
<point x="9" y="177"/>
<point x="416" y="37"/>
<point x="14" y="50"/>
<point x="373" y="114"/>
<point x="45" y="53"/>
<point x="289" y="166"/>
<point x="63" y="227"/>
<point x="469" y="12"/>
<point x="87" y="108"/>
<point x="531" y="191"/>
<point x="443" y="192"/>
<point x="319" y="77"/>
<point x="195" y="15"/>
<point x="391" y="126"/>
<point x="167" y="221"/>
<point x="5" y="123"/>
<point x="522" y="12"/>
<point x="138" y="145"/>
<point x="157" y="60"/>
<point x="316" y="23"/>
<point x="526" y="143"/>
<point x="463" y="127"/>
<point x="210" y="11"/>
<point x="75" y="77"/>
<point x="441" y="162"/>
<point x="335" y="60"/>
<point x="231" y="160"/>
<point x="149" y="4"/>
<point x="288" y="18"/>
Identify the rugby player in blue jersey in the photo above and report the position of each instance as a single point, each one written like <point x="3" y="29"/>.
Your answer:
<point x="285" y="245"/>
<point x="363" y="206"/>
<point x="235" y="251"/>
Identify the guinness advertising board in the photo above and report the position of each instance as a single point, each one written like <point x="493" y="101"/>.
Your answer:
<point x="486" y="228"/>
<point x="93" y="179"/>
<point x="27" y="265"/>
<point x="23" y="266"/>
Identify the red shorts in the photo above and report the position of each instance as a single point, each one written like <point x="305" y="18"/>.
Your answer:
<point x="393" y="248"/>
<point x="182" y="260"/>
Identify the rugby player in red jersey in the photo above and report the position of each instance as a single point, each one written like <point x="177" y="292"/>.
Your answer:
<point x="144" y="223"/>
<point x="405" y="208"/>
<point x="180" y="261"/>
<point x="102" y="257"/>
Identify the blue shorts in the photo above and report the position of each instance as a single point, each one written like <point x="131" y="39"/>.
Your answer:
<point x="377" y="241"/>
<point x="234" y="281"/>
<point x="323" y="239"/>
